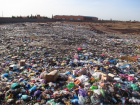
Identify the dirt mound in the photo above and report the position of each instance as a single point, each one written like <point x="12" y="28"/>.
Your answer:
<point x="118" y="28"/>
<point x="128" y="31"/>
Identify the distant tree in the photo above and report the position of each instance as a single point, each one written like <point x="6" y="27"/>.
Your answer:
<point x="32" y="17"/>
<point x="35" y="16"/>
<point x="28" y="16"/>
<point x="13" y="17"/>
<point x="44" y="17"/>
<point x="52" y="16"/>
<point x="20" y="17"/>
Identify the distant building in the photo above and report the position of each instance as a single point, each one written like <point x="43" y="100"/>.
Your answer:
<point x="71" y="17"/>
<point x="38" y="16"/>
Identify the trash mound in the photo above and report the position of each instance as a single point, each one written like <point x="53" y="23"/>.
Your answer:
<point x="58" y="64"/>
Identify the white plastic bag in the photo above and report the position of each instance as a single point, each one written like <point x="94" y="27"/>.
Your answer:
<point x="118" y="79"/>
<point x="82" y="100"/>
<point x="83" y="78"/>
<point x="97" y="74"/>
<point x="97" y="91"/>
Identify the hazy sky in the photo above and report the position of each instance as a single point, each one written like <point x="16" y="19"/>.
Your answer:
<point x="103" y="9"/>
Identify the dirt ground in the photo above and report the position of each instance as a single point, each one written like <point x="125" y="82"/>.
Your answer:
<point x="128" y="28"/>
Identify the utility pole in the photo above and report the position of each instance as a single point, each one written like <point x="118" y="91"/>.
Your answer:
<point x="2" y="13"/>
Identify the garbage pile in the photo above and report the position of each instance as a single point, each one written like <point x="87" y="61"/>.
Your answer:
<point x="59" y="64"/>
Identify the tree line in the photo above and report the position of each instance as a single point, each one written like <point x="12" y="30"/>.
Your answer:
<point x="31" y="17"/>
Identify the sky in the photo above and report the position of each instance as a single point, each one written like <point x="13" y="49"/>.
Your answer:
<point x="124" y="10"/>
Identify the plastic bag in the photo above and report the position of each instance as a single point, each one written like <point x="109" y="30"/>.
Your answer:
<point x="93" y="87"/>
<point x="135" y="87"/>
<point x="83" y="78"/>
<point x="24" y="97"/>
<point x="97" y="91"/>
<point x="82" y="100"/>
<point x="82" y="92"/>
<point x="102" y="92"/>
<point x="51" y="102"/>
<point x="37" y="92"/>
<point x="97" y="74"/>
<point x="118" y="79"/>
<point x="5" y="75"/>
<point x="74" y="101"/>
<point x="14" y="85"/>
<point x="94" y="100"/>
<point x="70" y="86"/>
<point x="130" y="78"/>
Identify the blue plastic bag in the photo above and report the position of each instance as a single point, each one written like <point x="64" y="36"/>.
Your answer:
<point x="5" y="75"/>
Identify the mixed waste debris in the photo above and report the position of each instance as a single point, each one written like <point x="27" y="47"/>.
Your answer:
<point x="60" y="64"/>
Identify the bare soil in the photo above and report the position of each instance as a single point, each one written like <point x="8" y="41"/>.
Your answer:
<point x="128" y="28"/>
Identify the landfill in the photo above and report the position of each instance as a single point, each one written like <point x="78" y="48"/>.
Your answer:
<point x="62" y="64"/>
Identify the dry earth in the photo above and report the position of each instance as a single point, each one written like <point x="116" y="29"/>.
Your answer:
<point x="128" y="28"/>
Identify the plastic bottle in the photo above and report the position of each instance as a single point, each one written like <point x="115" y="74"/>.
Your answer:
<point x="115" y="101"/>
<point x="32" y="89"/>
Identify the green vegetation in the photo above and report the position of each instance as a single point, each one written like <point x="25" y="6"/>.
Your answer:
<point x="31" y="17"/>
